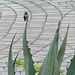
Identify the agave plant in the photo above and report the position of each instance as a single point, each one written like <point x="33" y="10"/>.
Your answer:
<point x="52" y="61"/>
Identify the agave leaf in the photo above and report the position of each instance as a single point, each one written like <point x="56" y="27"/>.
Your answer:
<point x="56" y="70"/>
<point x="71" y="69"/>
<point x="10" y="61"/>
<point x="48" y="66"/>
<point x="62" y="49"/>
<point x="29" y="68"/>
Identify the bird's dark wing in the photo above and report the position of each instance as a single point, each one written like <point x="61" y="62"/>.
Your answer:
<point x="24" y="18"/>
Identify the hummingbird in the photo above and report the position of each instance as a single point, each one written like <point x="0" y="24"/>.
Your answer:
<point x="25" y="16"/>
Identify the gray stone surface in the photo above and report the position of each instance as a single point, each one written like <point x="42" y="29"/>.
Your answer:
<point x="44" y="16"/>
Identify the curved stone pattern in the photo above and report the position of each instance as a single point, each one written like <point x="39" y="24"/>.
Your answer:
<point x="44" y="16"/>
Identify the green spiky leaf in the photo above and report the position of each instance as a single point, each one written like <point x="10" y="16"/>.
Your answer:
<point x="62" y="49"/>
<point x="10" y="61"/>
<point x="48" y="66"/>
<point x="71" y="69"/>
<point x="29" y="68"/>
<point x="56" y="70"/>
